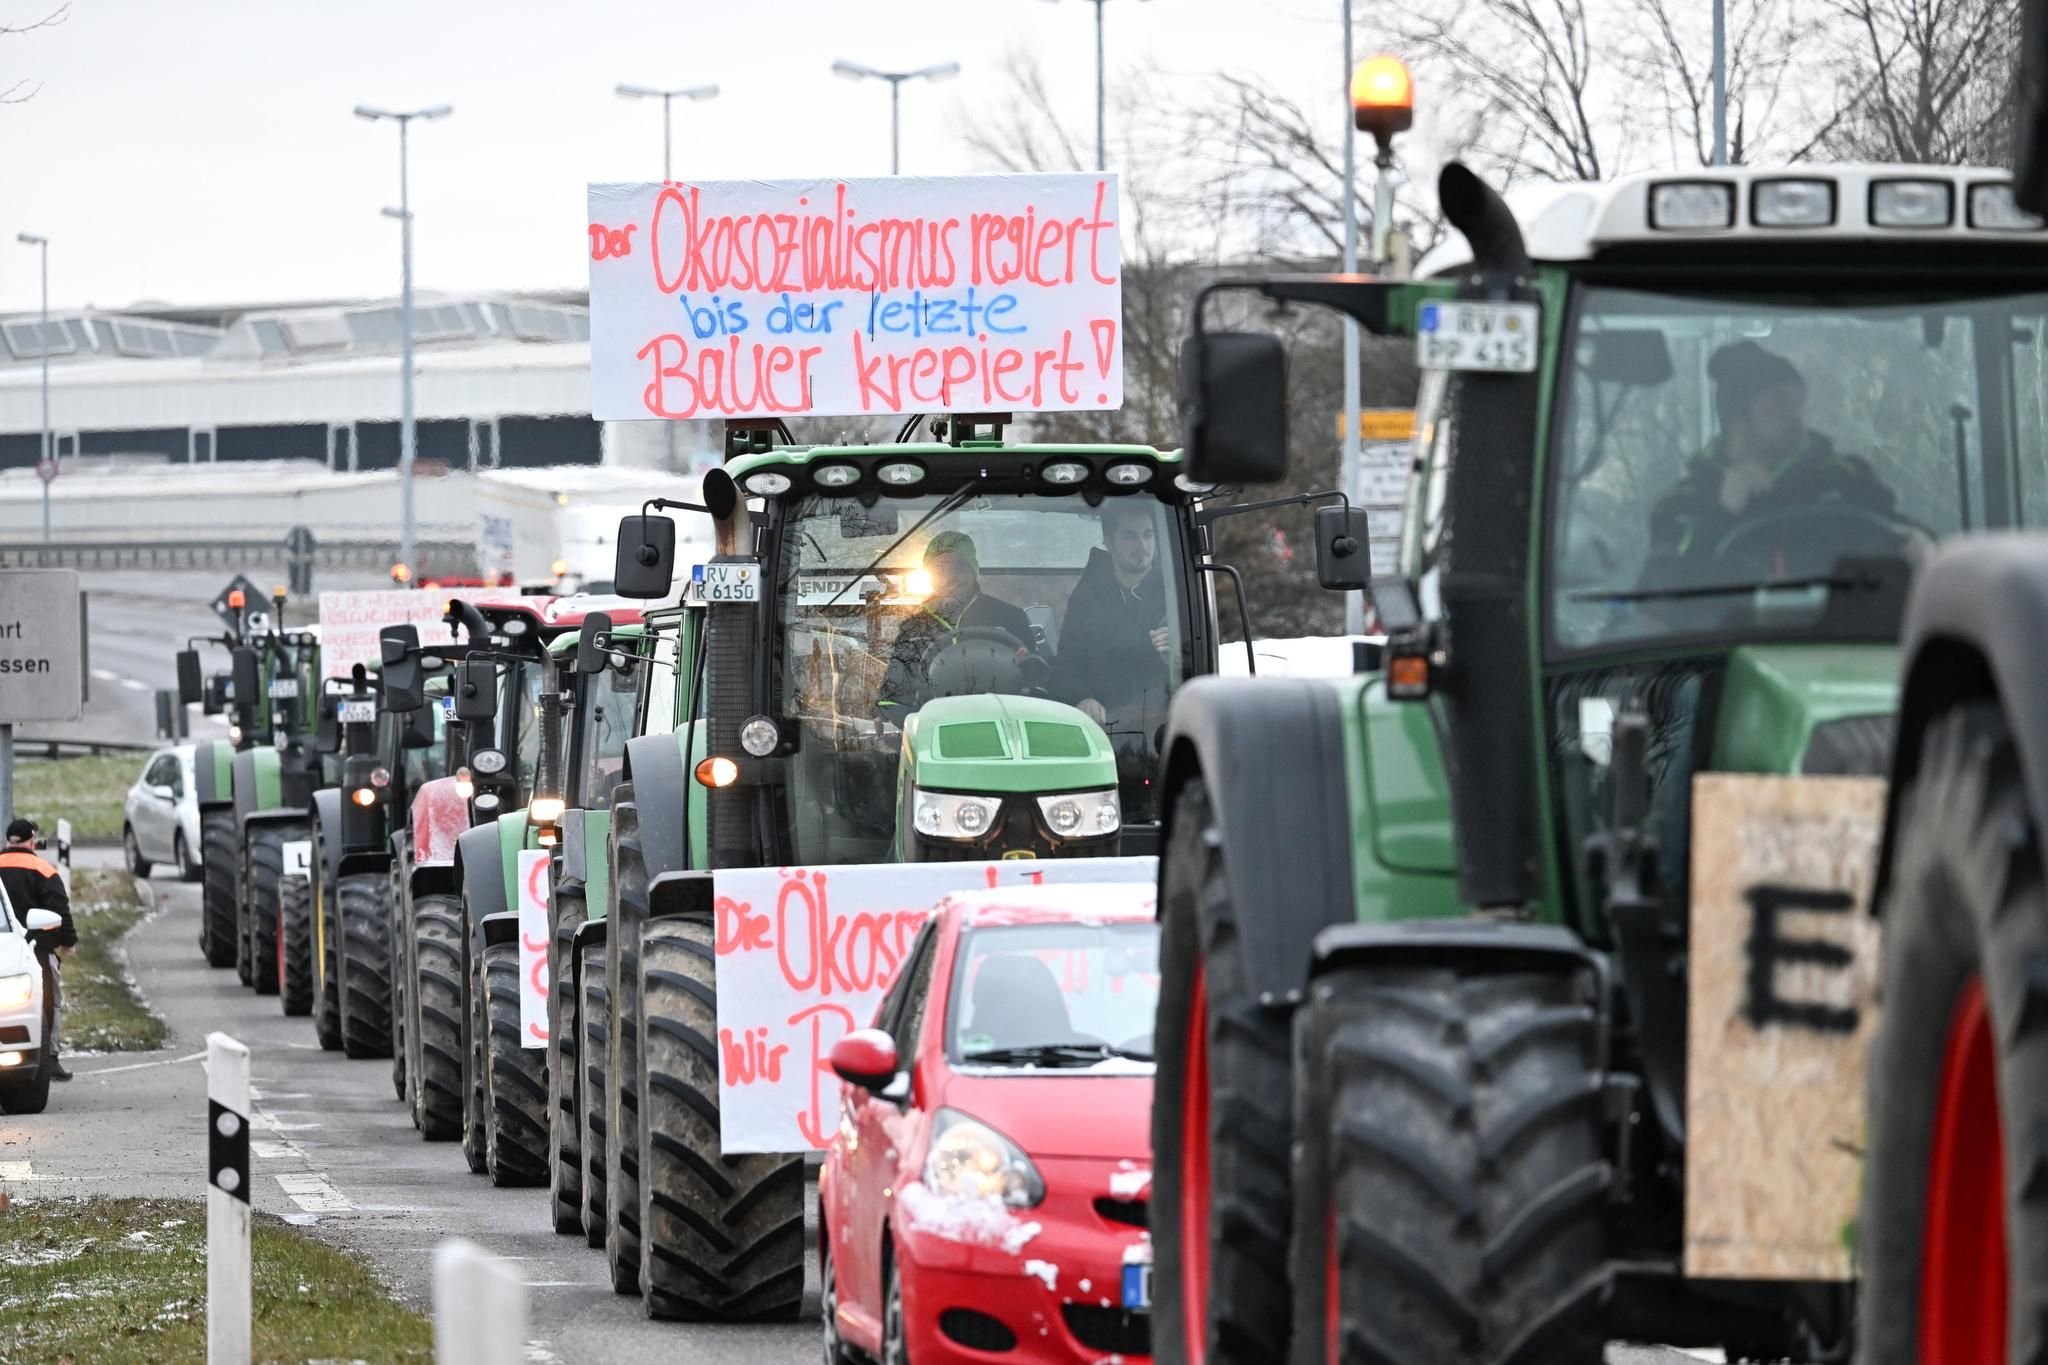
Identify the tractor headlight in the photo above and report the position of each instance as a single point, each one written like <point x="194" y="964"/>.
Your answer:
<point x="1128" y="475"/>
<point x="767" y="483"/>
<point x="759" y="736"/>
<point x="487" y="801"/>
<point x="1079" y="815"/>
<point x="970" y="1160"/>
<point x="364" y="796"/>
<point x="1064" y="472"/>
<point x="901" y="474"/>
<point x="944" y="815"/>
<point x="17" y="991"/>
<point x="547" y="810"/>
<point x="836" y="475"/>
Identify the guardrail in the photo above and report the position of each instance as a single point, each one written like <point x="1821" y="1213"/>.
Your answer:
<point x="80" y="748"/>
<point x="446" y="557"/>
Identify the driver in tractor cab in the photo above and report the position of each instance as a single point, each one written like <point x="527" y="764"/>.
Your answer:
<point x="956" y="603"/>
<point x="1114" y="640"/>
<point x="1765" y="461"/>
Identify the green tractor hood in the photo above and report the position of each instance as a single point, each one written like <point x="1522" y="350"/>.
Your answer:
<point x="1776" y="699"/>
<point x="1005" y="745"/>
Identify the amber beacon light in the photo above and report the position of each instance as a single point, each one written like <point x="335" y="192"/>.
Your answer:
<point x="1382" y="97"/>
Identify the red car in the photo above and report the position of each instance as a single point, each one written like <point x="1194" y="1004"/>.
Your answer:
<point x="985" y="1196"/>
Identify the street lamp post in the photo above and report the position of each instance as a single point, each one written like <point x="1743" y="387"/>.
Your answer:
<point x="407" y="442"/>
<point x="1101" y="92"/>
<point x="667" y="97"/>
<point x="42" y="244"/>
<point x="854" y="71"/>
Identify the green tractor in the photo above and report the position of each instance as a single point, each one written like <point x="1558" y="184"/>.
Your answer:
<point x="254" y="789"/>
<point x="1482" y="1004"/>
<point x="954" y="650"/>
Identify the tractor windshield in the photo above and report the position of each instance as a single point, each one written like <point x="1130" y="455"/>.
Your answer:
<point x="605" y="722"/>
<point x="1720" y="459"/>
<point x="948" y="594"/>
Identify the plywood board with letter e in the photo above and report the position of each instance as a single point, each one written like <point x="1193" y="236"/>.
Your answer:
<point x="1782" y="1007"/>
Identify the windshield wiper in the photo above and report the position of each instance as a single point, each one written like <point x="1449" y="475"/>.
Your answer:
<point x="944" y="505"/>
<point x="1055" y="1054"/>
<point x="1864" y="582"/>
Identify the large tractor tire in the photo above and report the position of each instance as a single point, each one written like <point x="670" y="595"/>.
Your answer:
<point x="364" y="965"/>
<point x="515" y="1090"/>
<point x="266" y="870"/>
<point x="622" y="1100"/>
<point x="565" y="1153"/>
<point x="476" y="1032"/>
<point x="1222" y="1192"/>
<point x="398" y="924"/>
<point x="721" y="1237"/>
<point x="1451" y="1126"/>
<point x="327" y="945"/>
<point x="217" y="891"/>
<point x="1953" y="1239"/>
<point x="595" y="1054"/>
<point x="295" y="945"/>
<point x="435" y="1017"/>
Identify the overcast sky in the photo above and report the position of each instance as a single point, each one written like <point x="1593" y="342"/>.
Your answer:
<point x="202" y="151"/>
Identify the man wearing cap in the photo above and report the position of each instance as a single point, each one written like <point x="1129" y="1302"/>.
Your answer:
<point x="1764" y="460"/>
<point x="32" y="884"/>
<point x="956" y="603"/>
<point x="1114" y="640"/>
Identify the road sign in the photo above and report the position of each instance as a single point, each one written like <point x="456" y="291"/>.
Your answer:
<point x="252" y="617"/>
<point x="46" y="470"/>
<point x="42" y="646"/>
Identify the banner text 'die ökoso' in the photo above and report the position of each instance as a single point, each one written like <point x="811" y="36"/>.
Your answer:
<point x="855" y="297"/>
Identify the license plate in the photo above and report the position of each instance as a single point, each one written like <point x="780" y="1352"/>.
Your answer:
<point x="1138" y="1288"/>
<point x="734" y="582"/>
<point x="1477" y="336"/>
<point x="284" y="689"/>
<point x="357" y="712"/>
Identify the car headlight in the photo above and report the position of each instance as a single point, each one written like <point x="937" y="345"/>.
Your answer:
<point x="17" y="991"/>
<point x="1079" y="815"/>
<point x="970" y="1160"/>
<point x="943" y="815"/>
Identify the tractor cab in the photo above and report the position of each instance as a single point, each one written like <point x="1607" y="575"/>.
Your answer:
<point x="954" y="649"/>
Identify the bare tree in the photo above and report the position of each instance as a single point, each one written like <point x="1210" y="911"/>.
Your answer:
<point x="20" y="91"/>
<point x="1925" y="80"/>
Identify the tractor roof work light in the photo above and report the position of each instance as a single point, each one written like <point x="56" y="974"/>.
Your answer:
<point x="1382" y="97"/>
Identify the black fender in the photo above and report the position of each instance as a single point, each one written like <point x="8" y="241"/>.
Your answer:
<point x="1976" y="629"/>
<point x="435" y="879"/>
<point x="327" y="817"/>
<point x="361" y="861"/>
<point x="654" y="765"/>
<point x="479" y="872"/>
<point x="272" y="816"/>
<point x="205" y="788"/>
<point x="501" y="927"/>
<point x="243" y="766"/>
<point x="1286" y="841"/>
<point x="1505" y="944"/>
<point x="685" y="892"/>
<point x="591" y="931"/>
<point x="572" y="859"/>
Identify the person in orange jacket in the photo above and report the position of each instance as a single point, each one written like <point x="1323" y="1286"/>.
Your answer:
<point x="33" y="884"/>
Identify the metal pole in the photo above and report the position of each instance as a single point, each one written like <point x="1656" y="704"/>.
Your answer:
<point x="1354" y="603"/>
<point x="1101" y="143"/>
<point x="406" y="433"/>
<point x="49" y="445"/>
<point x="7" y="770"/>
<point x="227" y="1202"/>
<point x="895" y="124"/>
<point x="1720" y="82"/>
<point x="667" y="128"/>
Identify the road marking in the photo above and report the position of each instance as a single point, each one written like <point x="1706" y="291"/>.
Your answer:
<point x="277" y="1151"/>
<point x="261" y="1120"/>
<point x="134" y="686"/>
<point x="143" y="1066"/>
<point x="12" y="1172"/>
<point x="313" y="1194"/>
<point x="104" y="675"/>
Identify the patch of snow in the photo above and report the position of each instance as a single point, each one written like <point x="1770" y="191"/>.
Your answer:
<point x="1140" y="1251"/>
<point x="955" y="1218"/>
<point x="1087" y="1287"/>
<point x="1047" y="1274"/>
<point x="169" y="1223"/>
<point x="1130" y="1184"/>
<point x="1017" y="1238"/>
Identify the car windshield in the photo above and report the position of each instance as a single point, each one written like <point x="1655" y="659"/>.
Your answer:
<point x="886" y="607"/>
<point x="1060" y="995"/>
<point x="1719" y="458"/>
<point x="605" y="718"/>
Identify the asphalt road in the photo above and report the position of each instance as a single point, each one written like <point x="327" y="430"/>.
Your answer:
<point x="335" y="1153"/>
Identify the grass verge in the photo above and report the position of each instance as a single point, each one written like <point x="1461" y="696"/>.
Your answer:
<point x="114" y="1281"/>
<point x="102" y="1013"/>
<point x="86" y="791"/>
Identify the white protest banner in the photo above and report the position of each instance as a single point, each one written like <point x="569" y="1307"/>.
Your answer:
<point x="805" y="955"/>
<point x="764" y="298"/>
<point x="533" y="947"/>
<point x="349" y="621"/>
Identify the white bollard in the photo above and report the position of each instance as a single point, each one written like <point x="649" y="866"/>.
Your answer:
<point x="227" y="1201"/>
<point x="479" y="1307"/>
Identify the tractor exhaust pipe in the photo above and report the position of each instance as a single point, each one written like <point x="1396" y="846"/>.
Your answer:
<point x="1475" y="209"/>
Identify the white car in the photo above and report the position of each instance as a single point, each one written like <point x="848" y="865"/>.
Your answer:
<point x="160" y="818"/>
<point x="24" y="1065"/>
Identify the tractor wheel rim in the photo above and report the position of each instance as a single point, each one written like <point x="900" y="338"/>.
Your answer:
<point x="1194" y="1179"/>
<point x="1963" y="1271"/>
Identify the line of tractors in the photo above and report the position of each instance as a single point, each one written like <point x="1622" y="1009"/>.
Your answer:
<point x="1428" y="1086"/>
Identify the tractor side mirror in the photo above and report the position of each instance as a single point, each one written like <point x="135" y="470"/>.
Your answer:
<point x="592" y="653"/>
<point x="476" y="690"/>
<point x="1343" y="553"/>
<point x="396" y="643"/>
<point x="248" y="677"/>
<point x="646" y="563"/>
<point x="1233" y="400"/>
<point x="403" y="688"/>
<point x="327" y="726"/>
<point x="216" y="698"/>
<point x="191" y="686"/>
<point x="418" y="731"/>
